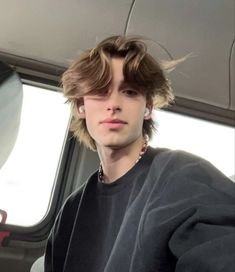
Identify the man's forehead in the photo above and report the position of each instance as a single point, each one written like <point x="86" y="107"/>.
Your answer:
<point x="122" y="83"/>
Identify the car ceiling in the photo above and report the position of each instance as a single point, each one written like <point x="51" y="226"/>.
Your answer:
<point x="55" y="32"/>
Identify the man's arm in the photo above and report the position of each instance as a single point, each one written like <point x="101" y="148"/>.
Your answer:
<point x="206" y="240"/>
<point x="59" y="237"/>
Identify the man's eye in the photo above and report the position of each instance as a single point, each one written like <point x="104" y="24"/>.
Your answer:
<point x="97" y="95"/>
<point x="130" y="92"/>
<point x="101" y="94"/>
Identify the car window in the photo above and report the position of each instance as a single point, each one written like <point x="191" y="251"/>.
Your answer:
<point x="28" y="176"/>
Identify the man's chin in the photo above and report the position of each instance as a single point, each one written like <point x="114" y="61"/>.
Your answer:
<point x="117" y="145"/>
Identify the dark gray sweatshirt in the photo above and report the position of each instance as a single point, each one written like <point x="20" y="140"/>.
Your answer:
<point x="172" y="211"/>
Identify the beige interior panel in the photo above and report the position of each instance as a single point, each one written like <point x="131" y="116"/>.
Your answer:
<point x="54" y="31"/>
<point x="203" y="28"/>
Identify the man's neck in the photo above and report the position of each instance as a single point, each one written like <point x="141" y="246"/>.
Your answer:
<point x="118" y="161"/>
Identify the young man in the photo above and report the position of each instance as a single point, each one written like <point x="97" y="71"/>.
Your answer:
<point x="145" y="209"/>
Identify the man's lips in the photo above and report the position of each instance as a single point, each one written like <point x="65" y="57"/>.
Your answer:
<point x="113" y="123"/>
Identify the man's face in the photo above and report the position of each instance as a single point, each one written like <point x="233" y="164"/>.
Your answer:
<point x="115" y="119"/>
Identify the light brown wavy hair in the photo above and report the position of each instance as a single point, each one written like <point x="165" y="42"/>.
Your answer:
<point x="92" y="73"/>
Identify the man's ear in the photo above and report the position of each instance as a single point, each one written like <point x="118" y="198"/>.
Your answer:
<point x="148" y="112"/>
<point x="80" y="109"/>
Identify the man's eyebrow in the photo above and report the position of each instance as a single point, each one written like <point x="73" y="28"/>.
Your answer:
<point x="124" y="84"/>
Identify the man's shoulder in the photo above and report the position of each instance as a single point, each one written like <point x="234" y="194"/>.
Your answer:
<point x="74" y="198"/>
<point x="175" y="158"/>
<point x="182" y="169"/>
<point x="167" y="163"/>
<point x="183" y="161"/>
<point x="70" y="207"/>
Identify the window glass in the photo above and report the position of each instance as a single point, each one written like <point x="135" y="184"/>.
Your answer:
<point x="27" y="178"/>
<point x="212" y="141"/>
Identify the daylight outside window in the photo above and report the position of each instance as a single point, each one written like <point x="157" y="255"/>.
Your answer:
<point x="212" y="141"/>
<point x="27" y="178"/>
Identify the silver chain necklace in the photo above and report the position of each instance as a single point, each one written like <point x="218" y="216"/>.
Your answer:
<point x="142" y="151"/>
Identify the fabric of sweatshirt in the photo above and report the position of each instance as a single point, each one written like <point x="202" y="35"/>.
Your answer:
<point x="173" y="211"/>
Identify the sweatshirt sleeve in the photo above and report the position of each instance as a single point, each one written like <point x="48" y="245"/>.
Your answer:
<point x="57" y="244"/>
<point x="48" y="261"/>
<point x="59" y="237"/>
<point x="205" y="240"/>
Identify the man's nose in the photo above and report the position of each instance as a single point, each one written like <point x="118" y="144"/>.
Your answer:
<point x="114" y="102"/>
<point x="114" y="108"/>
